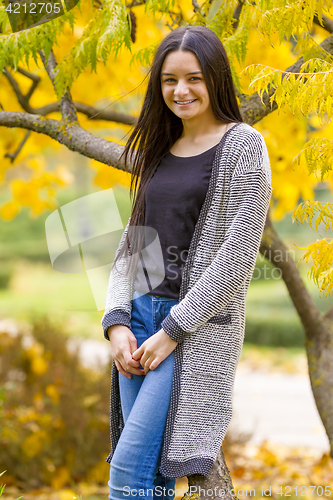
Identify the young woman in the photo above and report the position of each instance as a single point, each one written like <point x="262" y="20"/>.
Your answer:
<point x="175" y="307"/>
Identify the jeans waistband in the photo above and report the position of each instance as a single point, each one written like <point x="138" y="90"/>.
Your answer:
<point x="156" y="297"/>
<point x="160" y="297"/>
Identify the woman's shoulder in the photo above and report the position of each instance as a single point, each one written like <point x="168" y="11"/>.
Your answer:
<point x="245" y="134"/>
<point x="248" y="150"/>
<point x="245" y="140"/>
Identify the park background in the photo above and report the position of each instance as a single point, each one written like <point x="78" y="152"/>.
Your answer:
<point x="54" y="394"/>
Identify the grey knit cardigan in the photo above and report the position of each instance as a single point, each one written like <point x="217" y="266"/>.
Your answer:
<point x="209" y="321"/>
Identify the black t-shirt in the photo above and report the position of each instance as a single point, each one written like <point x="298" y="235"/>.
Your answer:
<point x="174" y="197"/>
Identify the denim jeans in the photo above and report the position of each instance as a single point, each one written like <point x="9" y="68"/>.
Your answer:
<point x="145" y="401"/>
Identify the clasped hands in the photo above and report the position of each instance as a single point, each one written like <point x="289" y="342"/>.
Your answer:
<point x="128" y="357"/>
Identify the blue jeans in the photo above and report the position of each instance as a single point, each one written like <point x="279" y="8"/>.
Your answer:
<point x="145" y="401"/>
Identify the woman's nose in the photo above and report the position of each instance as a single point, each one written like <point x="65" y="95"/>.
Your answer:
<point x="181" y="89"/>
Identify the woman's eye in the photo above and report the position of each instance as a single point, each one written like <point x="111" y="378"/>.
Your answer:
<point x="192" y="78"/>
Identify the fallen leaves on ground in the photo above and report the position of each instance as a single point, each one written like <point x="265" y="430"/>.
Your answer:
<point x="280" y="470"/>
<point x="287" y="472"/>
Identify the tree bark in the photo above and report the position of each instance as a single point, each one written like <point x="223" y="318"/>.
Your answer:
<point x="217" y="485"/>
<point x="318" y="328"/>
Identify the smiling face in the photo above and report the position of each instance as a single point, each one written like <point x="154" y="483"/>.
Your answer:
<point x="182" y="81"/>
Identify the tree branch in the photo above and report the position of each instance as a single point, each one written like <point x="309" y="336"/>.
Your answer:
<point x="176" y="18"/>
<point x="236" y="14"/>
<point x="90" y="111"/>
<point x="252" y="107"/>
<point x="135" y="3"/>
<point x="32" y="76"/>
<point x="67" y="108"/>
<point x="69" y="134"/>
<point x="195" y="6"/>
<point x="12" y="156"/>
<point x="327" y="22"/>
<point x="111" y="116"/>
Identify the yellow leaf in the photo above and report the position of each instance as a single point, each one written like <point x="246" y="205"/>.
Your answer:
<point x="267" y="456"/>
<point x="40" y="205"/>
<point x="33" y="444"/>
<point x="59" y="479"/>
<point x="66" y="494"/>
<point x="51" y="391"/>
<point x="38" y="363"/>
<point x="10" y="210"/>
<point x="99" y="473"/>
<point x="27" y="416"/>
<point x="45" y="420"/>
<point x="58" y="423"/>
<point x="91" y="400"/>
<point x="39" y="366"/>
<point x="24" y="192"/>
<point x="38" y="397"/>
<point x="37" y="163"/>
<point x="106" y="176"/>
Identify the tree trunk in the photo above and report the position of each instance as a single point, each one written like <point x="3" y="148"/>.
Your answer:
<point x="217" y="485"/>
<point x="318" y="328"/>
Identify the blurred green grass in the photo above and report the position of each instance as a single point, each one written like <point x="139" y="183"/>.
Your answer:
<point x="35" y="288"/>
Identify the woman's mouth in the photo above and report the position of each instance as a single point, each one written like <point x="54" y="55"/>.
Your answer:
<point x="185" y="103"/>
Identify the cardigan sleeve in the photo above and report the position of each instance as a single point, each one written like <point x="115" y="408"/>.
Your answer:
<point x="118" y="305"/>
<point x="250" y="194"/>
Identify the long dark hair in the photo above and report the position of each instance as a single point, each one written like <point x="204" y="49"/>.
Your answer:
<point x="158" y="128"/>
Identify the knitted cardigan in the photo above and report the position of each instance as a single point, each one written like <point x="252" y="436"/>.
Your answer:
<point x="209" y="321"/>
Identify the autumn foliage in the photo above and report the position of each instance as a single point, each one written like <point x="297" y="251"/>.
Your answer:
<point x="54" y="412"/>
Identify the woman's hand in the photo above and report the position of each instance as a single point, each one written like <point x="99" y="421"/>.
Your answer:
<point x="154" y="350"/>
<point x="123" y="344"/>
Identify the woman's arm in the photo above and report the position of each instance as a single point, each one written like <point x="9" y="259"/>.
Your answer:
<point x="249" y="200"/>
<point x="123" y="344"/>
<point x="118" y="305"/>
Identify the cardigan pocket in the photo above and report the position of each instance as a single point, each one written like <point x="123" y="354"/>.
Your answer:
<point x="210" y="349"/>
<point x="222" y="373"/>
<point x="220" y="319"/>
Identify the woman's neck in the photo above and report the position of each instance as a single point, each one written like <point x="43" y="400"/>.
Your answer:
<point x="195" y="131"/>
<point x="195" y="145"/>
